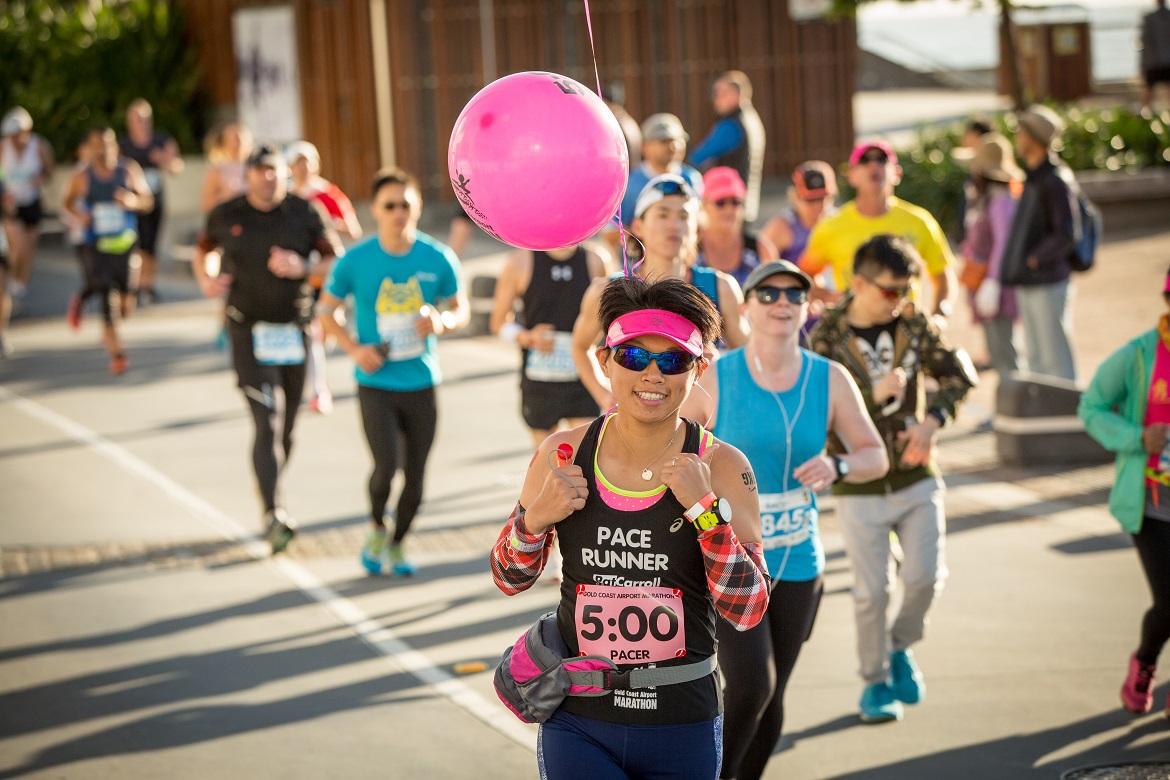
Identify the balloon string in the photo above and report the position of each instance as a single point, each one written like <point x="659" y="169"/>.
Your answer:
<point x="626" y="269"/>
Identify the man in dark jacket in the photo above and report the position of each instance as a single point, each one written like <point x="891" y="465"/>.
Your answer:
<point x="1036" y="258"/>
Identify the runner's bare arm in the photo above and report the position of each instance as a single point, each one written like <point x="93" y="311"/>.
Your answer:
<point x="850" y="421"/>
<point x="507" y="291"/>
<point x="735" y="325"/>
<point x="142" y="199"/>
<point x="77" y="187"/>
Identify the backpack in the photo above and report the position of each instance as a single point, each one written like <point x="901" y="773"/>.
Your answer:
<point x="1087" y="225"/>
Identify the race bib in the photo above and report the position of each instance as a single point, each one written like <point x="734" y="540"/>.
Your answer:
<point x="153" y="179"/>
<point x="397" y="331"/>
<point x="555" y="366"/>
<point x="630" y="625"/>
<point x="109" y="219"/>
<point x="785" y="517"/>
<point x="278" y="343"/>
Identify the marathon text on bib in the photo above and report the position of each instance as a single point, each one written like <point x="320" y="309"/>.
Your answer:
<point x="555" y="366"/>
<point x="784" y="517"/>
<point x="397" y="331"/>
<point x="278" y="343"/>
<point x="630" y="625"/>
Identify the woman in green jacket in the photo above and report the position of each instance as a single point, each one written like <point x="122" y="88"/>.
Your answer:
<point x="1127" y="409"/>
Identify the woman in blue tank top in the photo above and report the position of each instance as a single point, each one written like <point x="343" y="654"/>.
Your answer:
<point x="778" y="404"/>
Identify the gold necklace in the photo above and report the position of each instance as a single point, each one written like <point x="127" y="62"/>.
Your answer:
<point x="647" y="474"/>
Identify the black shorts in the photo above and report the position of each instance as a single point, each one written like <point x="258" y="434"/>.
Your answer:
<point x="1157" y="76"/>
<point x="148" y="230"/>
<point x="544" y="404"/>
<point x="107" y="272"/>
<point x="252" y="374"/>
<point x="31" y="215"/>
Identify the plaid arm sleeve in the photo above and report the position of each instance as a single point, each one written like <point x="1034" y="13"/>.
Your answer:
<point x="518" y="557"/>
<point x="736" y="576"/>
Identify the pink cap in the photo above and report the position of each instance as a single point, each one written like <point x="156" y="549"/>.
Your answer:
<point x="865" y="146"/>
<point x="723" y="182"/>
<point x="656" y="322"/>
<point x="1166" y="287"/>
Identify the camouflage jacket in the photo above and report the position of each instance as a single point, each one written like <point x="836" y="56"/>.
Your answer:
<point x="921" y="350"/>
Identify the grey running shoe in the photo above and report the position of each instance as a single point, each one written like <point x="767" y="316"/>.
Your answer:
<point x="280" y="530"/>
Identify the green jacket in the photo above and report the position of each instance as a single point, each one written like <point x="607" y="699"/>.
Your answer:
<point x="1113" y="408"/>
<point x="919" y="348"/>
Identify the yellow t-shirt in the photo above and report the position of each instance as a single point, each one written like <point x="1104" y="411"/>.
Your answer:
<point x="835" y="240"/>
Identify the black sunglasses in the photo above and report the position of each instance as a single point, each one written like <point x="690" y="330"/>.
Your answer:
<point x="769" y="295"/>
<point x="669" y="363"/>
<point x="873" y="156"/>
<point x="724" y="202"/>
<point x="392" y="205"/>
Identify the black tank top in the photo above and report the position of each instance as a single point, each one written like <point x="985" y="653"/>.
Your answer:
<point x="102" y="190"/>
<point x="629" y="552"/>
<point x="555" y="290"/>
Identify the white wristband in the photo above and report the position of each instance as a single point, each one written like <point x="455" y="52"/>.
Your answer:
<point x="510" y="331"/>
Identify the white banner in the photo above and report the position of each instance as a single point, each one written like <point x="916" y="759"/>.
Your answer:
<point x="268" y="84"/>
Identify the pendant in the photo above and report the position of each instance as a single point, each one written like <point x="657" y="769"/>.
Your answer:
<point x="647" y="474"/>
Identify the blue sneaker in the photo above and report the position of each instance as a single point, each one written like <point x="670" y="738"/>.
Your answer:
<point x="878" y="704"/>
<point x="399" y="566"/>
<point x="372" y="552"/>
<point x="906" y="677"/>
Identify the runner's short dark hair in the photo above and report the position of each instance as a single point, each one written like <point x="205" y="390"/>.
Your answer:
<point x="633" y="293"/>
<point x="887" y="253"/>
<point x="393" y="175"/>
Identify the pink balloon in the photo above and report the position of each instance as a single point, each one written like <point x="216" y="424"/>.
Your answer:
<point x="538" y="161"/>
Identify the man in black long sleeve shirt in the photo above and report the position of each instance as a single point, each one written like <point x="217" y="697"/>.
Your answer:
<point x="1036" y="258"/>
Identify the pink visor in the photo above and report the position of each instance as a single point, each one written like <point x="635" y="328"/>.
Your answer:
<point x="1166" y="286"/>
<point x="656" y="322"/>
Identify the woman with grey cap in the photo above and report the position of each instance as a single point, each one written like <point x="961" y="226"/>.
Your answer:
<point x="778" y="403"/>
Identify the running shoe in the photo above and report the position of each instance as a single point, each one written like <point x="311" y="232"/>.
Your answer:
<point x="119" y="364"/>
<point x="878" y="704"/>
<point x="399" y="566"/>
<point x="1137" y="694"/>
<point x="73" y="312"/>
<point x="5" y="347"/>
<point x="906" y="678"/>
<point x="374" y="551"/>
<point x="280" y="531"/>
<point x="322" y="404"/>
<point x="147" y="296"/>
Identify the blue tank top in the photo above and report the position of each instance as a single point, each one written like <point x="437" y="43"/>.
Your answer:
<point x="109" y="219"/>
<point x="800" y="235"/>
<point x="707" y="282"/>
<point x="750" y="418"/>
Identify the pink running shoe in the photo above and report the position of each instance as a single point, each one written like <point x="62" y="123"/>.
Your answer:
<point x="322" y="404"/>
<point x="1137" y="693"/>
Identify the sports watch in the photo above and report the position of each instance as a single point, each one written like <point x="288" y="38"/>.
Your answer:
<point x="709" y="512"/>
<point x="842" y="467"/>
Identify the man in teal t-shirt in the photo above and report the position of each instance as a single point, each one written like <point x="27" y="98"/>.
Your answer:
<point x="406" y="289"/>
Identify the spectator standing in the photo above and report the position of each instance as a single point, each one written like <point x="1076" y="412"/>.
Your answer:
<point x="1036" y="257"/>
<point x="1156" y="53"/>
<point x="891" y="349"/>
<point x="737" y="138"/>
<point x="994" y="183"/>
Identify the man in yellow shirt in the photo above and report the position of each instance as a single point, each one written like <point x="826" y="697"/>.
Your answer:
<point x="874" y="172"/>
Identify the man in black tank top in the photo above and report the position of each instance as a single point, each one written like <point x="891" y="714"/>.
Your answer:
<point x="114" y="192"/>
<point x="549" y="285"/>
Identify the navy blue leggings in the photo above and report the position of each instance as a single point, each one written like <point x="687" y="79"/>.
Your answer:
<point x="570" y="747"/>
<point x="1153" y="546"/>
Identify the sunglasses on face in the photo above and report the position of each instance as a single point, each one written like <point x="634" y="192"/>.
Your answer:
<point x="891" y="293"/>
<point x="725" y="202"/>
<point x="394" y="205"/>
<point x="873" y="156"/>
<point x="669" y="363"/>
<point x="769" y="295"/>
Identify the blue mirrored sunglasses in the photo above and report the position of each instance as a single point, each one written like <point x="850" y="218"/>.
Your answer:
<point x="637" y="359"/>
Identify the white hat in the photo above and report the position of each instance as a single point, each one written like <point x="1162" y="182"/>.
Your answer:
<point x="299" y="149"/>
<point x="17" y="120"/>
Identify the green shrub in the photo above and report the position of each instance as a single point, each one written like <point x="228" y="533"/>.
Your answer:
<point x="75" y="64"/>
<point x="1111" y="139"/>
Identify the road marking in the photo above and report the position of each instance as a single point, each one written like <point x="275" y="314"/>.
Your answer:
<point x="380" y="639"/>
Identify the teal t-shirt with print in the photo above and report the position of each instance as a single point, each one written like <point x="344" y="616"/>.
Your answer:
<point x="387" y="292"/>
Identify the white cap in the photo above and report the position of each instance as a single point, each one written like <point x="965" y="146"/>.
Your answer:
<point x="17" y="120"/>
<point x="299" y="149"/>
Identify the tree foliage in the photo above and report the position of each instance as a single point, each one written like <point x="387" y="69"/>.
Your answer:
<point x="75" y="64"/>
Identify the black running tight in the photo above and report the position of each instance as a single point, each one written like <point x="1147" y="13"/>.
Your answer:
<point x="756" y="665"/>
<point x="274" y="412"/>
<point x="388" y="415"/>
<point x="1153" y="546"/>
